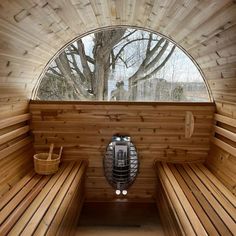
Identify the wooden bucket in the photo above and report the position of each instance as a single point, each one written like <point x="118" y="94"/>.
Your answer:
<point x="47" y="163"/>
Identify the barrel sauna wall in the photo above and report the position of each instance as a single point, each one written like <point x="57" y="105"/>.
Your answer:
<point x="16" y="147"/>
<point x="157" y="130"/>
<point x="32" y="32"/>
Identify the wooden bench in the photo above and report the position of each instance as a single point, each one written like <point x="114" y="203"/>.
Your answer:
<point x="192" y="201"/>
<point x="44" y="205"/>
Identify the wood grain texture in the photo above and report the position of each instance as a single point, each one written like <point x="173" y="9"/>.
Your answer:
<point x="222" y="156"/>
<point x="33" y="32"/>
<point x="196" y="200"/>
<point x="44" y="205"/>
<point x="157" y="130"/>
<point x="16" y="149"/>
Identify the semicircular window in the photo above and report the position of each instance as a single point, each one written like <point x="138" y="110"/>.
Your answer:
<point x="122" y="64"/>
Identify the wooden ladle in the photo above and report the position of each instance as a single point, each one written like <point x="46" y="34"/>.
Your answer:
<point x="60" y="152"/>
<point x="50" y="152"/>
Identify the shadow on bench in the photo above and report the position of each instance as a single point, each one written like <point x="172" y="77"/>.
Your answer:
<point x="192" y="201"/>
<point x="44" y="205"/>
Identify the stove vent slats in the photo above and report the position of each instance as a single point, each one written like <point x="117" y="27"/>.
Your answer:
<point x="121" y="162"/>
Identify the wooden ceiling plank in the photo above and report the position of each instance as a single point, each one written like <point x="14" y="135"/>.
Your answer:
<point x="101" y="12"/>
<point x="21" y="35"/>
<point x="157" y="13"/>
<point x="218" y="41"/>
<point x="33" y="28"/>
<point x="198" y="16"/>
<point x="86" y="13"/>
<point x="144" y="16"/>
<point x="66" y="11"/>
<point x="220" y="57"/>
<point x="219" y="22"/>
<point x="176" y="15"/>
<point x="48" y="19"/>
<point x="39" y="28"/>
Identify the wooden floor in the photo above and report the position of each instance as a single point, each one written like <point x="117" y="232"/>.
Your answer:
<point x="118" y="219"/>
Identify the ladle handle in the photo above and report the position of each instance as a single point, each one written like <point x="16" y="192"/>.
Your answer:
<point x="60" y="152"/>
<point x="50" y="151"/>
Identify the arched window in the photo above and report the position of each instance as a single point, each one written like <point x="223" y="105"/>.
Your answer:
<point x="122" y="64"/>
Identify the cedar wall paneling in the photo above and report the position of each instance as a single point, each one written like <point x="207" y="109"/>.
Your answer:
<point x="222" y="157"/>
<point x="216" y="57"/>
<point x="16" y="149"/>
<point x="157" y="130"/>
<point x="31" y="32"/>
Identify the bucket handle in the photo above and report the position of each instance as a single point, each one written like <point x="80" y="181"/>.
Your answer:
<point x="50" y="152"/>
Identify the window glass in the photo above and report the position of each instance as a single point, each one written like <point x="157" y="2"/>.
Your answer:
<point x="122" y="64"/>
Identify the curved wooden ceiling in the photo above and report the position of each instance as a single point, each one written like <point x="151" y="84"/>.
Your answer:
<point x="32" y="31"/>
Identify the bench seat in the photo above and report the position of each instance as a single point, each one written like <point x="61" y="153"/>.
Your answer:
<point x="44" y="205"/>
<point x="192" y="201"/>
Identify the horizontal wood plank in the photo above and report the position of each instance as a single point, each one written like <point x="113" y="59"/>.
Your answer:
<point x="156" y="129"/>
<point x="14" y="120"/>
<point x="37" y="201"/>
<point x="197" y="188"/>
<point x="225" y="146"/>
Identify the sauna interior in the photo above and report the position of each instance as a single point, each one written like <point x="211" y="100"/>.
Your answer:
<point x="186" y="181"/>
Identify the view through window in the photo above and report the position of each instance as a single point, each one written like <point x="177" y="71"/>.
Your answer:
<point x="122" y="64"/>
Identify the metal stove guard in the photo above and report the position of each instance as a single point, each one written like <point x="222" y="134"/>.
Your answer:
<point x="121" y="163"/>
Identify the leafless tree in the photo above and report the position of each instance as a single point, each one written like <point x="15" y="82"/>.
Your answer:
<point x="87" y="74"/>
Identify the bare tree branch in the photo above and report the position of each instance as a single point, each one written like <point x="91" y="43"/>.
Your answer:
<point x="126" y="44"/>
<point x="86" y="69"/>
<point x="54" y="71"/>
<point x="76" y="68"/>
<point x="153" y="51"/>
<point x="149" y="45"/>
<point x="86" y="77"/>
<point x="125" y="37"/>
<point x="65" y="69"/>
<point x="157" y="57"/>
<point x="157" y="68"/>
<point x="76" y="51"/>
